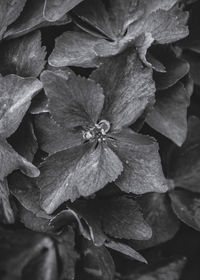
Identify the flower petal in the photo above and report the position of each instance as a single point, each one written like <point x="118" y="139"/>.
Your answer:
<point x="15" y="98"/>
<point x="79" y="171"/>
<point x="52" y="138"/>
<point x="11" y="161"/>
<point x="75" y="49"/>
<point x="24" y="57"/>
<point x="128" y="90"/>
<point x="186" y="206"/>
<point x="73" y="100"/>
<point x="142" y="171"/>
<point x="56" y="9"/>
<point x="169" y="114"/>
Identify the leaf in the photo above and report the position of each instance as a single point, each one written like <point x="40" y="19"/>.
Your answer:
<point x="122" y="218"/>
<point x="98" y="261"/>
<point x="10" y="161"/>
<point x="79" y="171"/>
<point x="24" y="57"/>
<point x="126" y="250"/>
<point x="15" y="98"/>
<point x="186" y="206"/>
<point x="27" y="255"/>
<point x="169" y="115"/>
<point x="142" y="171"/>
<point x="30" y="19"/>
<point x="54" y="10"/>
<point x="184" y="165"/>
<point x="73" y="100"/>
<point x="171" y="269"/>
<point x="128" y="90"/>
<point x="6" y="211"/>
<point x="74" y="49"/>
<point x="10" y="10"/>
<point x="159" y="215"/>
<point x="52" y="138"/>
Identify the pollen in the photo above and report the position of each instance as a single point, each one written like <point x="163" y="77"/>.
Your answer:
<point x="98" y="132"/>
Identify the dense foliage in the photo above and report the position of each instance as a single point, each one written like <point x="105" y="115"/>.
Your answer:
<point x="99" y="139"/>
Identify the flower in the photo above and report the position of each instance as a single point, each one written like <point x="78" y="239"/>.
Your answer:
<point x="87" y="138"/>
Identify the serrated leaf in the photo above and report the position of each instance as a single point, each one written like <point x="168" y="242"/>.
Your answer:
<point x="24" y="57"/>
<point x="30" y="19"/>
<point x="15" y="98"/>
<point x="142" y="171"/>
<point x="54" y="9"/>
<point x="186" y="206"/>
<point x="169" y="115"/>
<point x="184" y="165"/>
<point x="159" y="215"/>
<point x="128" y="90"/>
<point x="10" y="10"/>
<point x="82" y="170"/>
<point x="75" y="102"/>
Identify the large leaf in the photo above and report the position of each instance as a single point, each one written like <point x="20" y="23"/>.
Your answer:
<point x="24" y="57"/>
<point x="15" y="98"/>
<point x="73" y="101"/>
<point x="142" y="171"/>
<point x="169" y="115"/>
<point x="128" y="90"/>
<point x="78" y="171"/>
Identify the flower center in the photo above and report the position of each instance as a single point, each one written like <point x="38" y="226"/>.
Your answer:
<point x="98" y="132"/>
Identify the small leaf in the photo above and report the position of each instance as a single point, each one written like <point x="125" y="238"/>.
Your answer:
<point x="186" y="206"/>
<point x="24" y="57"/>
